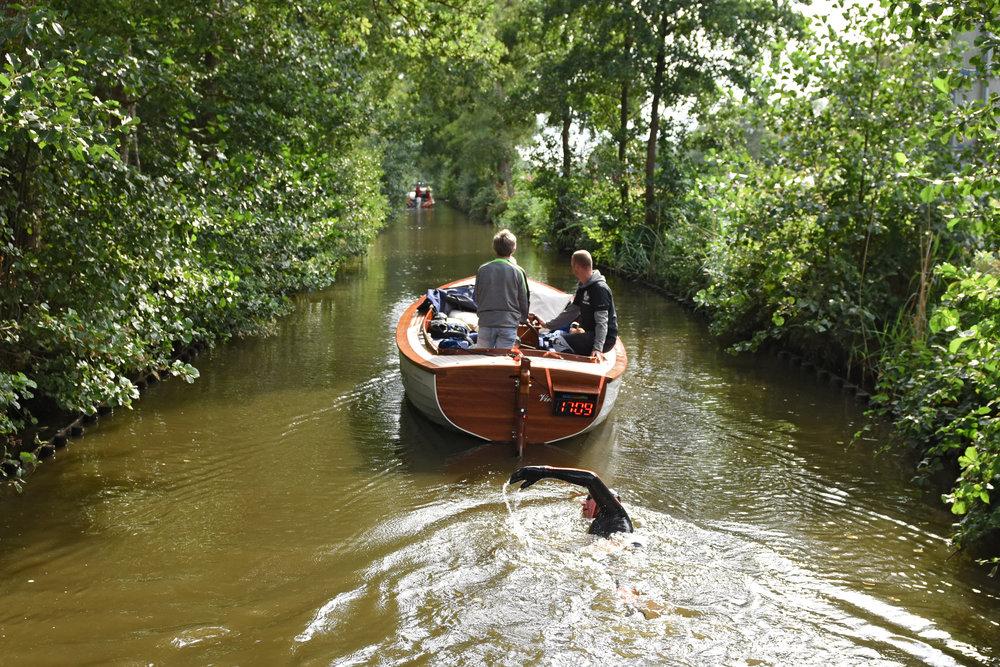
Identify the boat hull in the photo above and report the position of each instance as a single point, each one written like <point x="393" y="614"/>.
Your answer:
<point x="481" y="401"/>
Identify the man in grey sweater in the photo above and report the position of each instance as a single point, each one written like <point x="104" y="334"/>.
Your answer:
<point x="501" y="295"/>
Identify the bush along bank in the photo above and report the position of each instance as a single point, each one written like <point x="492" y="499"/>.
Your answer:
<point x="943" y="391"/>
<point x="846" y="209"/>
<point x="26" y="450"/>
<point x="163" y="188"/>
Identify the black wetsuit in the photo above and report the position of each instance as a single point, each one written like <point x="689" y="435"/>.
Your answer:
<point x="611" y="517"/>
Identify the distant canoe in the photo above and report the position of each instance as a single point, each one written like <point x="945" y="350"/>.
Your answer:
<point x="482" y="392"/>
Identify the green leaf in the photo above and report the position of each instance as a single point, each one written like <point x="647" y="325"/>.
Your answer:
<point x="942" y="319"/>
<point x="777" y="319"/>
<point x="4" y="81"/>
<point x="28" y="457"/>
<point x="947" y="270"/>
<point x="928" y="193"/>
<point x="900" y="158"/>
<point x="958" y="507"/>
<point x="957" y="343"/>
<point x="942" y="85"/>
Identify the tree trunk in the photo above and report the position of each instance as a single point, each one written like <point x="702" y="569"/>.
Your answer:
<point x="623" y="131"/>
<point x="562" y="212"/>
<point x="129" y="145"/>
<point x="135" y="138"/>
<point x="928" y="242"/>
<point x="654" y="122"/>
<point x="507" y="176"/>
<point x="505" y="168"/>
<point x="567" y="160"/>
<point x="25" y="229"/>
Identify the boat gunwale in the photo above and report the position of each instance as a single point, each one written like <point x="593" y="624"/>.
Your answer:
<point x="587" y="364"/>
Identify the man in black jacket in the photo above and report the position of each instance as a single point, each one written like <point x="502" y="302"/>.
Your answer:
<point x="592" y="307"/>
<point x="602" y="504"/>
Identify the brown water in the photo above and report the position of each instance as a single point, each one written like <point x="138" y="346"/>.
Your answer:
<point x="290" y="507"/>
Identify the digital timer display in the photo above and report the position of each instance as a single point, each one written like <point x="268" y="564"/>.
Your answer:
<point x="575" y="405"/>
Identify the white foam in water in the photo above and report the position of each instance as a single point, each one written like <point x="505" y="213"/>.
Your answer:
<point x="689" y="595"/>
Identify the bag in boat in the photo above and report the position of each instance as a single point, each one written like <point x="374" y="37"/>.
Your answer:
<point x="470" y="320"/>
<point x="446" y="327"/>
<point x="447" y="300"/>
<point x="554" y="341"/>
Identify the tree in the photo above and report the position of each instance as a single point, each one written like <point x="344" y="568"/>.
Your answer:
<point x="696" y="47"/>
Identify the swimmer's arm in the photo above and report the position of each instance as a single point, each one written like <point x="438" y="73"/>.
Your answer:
<point x="598" y="489"/>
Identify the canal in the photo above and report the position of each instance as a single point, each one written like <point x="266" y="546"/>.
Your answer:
<point x="291" y="507"/>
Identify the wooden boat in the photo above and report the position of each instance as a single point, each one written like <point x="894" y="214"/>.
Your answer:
<point x="425" y="200"/>
<point x="524" y="396"/>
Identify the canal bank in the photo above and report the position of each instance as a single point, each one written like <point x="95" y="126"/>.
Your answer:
<point x="290" y="506"/>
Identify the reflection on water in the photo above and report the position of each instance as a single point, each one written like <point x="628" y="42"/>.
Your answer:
<point x="291" y="506"/>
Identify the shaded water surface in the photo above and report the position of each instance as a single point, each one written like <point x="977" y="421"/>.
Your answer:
<point x="290" y="507"/>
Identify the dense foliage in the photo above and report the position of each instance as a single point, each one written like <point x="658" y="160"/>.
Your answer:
<point x="940" y="379"/>
<point x="945" y="390"/>
<point x="819" y="238"/>
<point x="170" y="172"/>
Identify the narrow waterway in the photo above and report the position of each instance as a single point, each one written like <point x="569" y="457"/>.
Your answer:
<point x="291" y="507"/>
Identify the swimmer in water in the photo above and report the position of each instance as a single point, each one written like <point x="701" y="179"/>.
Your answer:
<point x="602" y="504"/>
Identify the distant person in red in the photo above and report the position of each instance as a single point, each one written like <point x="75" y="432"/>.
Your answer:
<point x="602" y="504"/>
<point x="417" y="192"/>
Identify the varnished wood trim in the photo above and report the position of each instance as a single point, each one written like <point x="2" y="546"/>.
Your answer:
<point x="403" y="339"/>
<point x="406" y="320"/>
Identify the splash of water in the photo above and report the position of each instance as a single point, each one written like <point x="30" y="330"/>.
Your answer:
<point x="512" y="501"/>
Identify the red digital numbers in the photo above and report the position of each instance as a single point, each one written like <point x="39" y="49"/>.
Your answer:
<point x="576" y="408"/>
